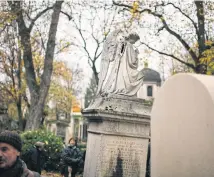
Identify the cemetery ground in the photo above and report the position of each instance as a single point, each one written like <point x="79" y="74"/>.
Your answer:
<point x="51" y="174"/>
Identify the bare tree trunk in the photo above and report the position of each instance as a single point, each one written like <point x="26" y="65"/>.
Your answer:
<point x="19" y="101"/>
<point x="19" y="108"/>
<point x="38" y="101"/>
<point x="200" y="68"/>
<point x="201" y="28"/>
<point x="38" y="93"/>
<point x="94" y="69"/>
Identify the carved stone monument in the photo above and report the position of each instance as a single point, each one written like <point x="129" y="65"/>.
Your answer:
<point x="182" y="127"/>
<point x="62" y="123"/>
<point x="6" y="123"/>
<point x="118" y="122"/>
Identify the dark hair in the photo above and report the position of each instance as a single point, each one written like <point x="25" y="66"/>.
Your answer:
<point x="75" y="139"/>
<point x="134" y="36"/>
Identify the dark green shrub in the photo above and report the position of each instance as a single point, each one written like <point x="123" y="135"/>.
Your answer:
<point x="53" y="146"/>
<point x="82" y="147"/>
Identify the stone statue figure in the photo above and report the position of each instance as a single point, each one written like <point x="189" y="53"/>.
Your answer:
<point x="119" y="63"/>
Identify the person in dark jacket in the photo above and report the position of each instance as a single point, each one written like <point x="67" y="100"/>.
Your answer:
<point x="34" y="158"/>
<point x="10" y="163"/>
<point x="71" y="158"/>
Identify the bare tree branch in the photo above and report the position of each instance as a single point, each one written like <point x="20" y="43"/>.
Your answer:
<point x="37" y="16"/>
<point x="66" y="14"/>
<point x="184" y="14"/>
<point x="40" y="34"/>
<point x="64" y="47"/>
<point x="5" y="26"/>
<point x="83" y="39"/>
<point x="170" y="55"/>
<point x="160" y="29"/>
<point x="4" y="87"/>
<point x="182" y="41"/>
<point x="99" y="54"/>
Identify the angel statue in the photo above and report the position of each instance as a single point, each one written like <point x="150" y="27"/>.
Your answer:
<point x="119" y="63"/>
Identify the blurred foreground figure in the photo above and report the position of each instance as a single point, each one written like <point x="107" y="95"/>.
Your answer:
<point x="10" y="163"/>
<point x="35" y="157"/>
<point x="71" y="159"/>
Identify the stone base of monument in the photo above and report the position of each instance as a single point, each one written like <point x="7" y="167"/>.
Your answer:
<point x="117" y="138"/>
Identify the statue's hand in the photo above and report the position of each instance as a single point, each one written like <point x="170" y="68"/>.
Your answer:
<point x="103" y="94"/>
<point x="120" y="38"/>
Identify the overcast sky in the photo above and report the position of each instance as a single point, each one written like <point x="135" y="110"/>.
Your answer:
<point x="147" y="34"/>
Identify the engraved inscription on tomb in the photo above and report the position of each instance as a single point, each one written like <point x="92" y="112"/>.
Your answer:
<point x="127" y="128"/>
<point x="123" y="155"/>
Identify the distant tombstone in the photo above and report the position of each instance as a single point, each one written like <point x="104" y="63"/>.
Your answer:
<point x="14" y="125"/>
<point x="5" y="121"/>
<point x="62" y="123"/>
<point x="182" y="127"/>
<point x="61" y="115"/>
<point x="3" y="108"/>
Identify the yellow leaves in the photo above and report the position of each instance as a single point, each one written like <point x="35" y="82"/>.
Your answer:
<point x="38" y="60"/>
<point x="174" y="72"/>
<point x="60" y="69"/>
<point x="132" y="11"/>
<point x="12" y="111"/>
<point x="208" y="43"/>
<point x="162" y="18"/>
<point x="190" y="49"/>
<point x="209" y="72"/>
<point x="75" y="106"/>
<point x="195" y="46"/>
<point x="105" y="33"/>
<point x="6" y="18"/>
<point x="146" y="64"/>
<point x="64" y="45"/>
<point x="61" y="95"/>
<point x="208" y="58"/>
<point x="50" y="174"/>
<point x="10" y="69"/>
<point x="61" y="75"/>
<point x="135" y="11"/>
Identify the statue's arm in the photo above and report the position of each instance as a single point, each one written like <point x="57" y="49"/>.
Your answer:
<point x="135" y="59"/>
<point x="132" y="56"/>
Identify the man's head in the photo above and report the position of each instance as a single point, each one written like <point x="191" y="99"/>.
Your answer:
<point x="10" y="148"/>
<point x="40" y="145"/>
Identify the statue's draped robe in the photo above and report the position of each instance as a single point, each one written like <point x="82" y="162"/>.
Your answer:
<point x="123" y="77"/>
<point x="108" y="56"/>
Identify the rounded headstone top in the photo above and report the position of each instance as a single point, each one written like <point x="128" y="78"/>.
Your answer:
<point x="182" y="127"/>
<point x="151" y="75"/>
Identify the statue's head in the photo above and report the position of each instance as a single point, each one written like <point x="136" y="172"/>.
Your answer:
<point x="133" y="37"/>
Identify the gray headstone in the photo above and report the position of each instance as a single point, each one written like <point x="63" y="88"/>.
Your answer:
<point x="182" y="127"/>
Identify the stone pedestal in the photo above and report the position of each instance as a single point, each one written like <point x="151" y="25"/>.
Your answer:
<point x="117" y="138"/>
